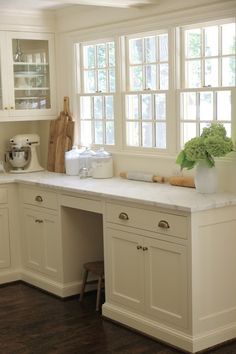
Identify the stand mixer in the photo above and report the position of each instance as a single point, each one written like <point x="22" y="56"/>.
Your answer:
<point x="22" y="154"/>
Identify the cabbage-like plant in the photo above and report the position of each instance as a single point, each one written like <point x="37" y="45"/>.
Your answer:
<point x="213" y="142"/>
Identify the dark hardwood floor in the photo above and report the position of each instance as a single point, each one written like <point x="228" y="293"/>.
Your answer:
<point x="33" y="322"/>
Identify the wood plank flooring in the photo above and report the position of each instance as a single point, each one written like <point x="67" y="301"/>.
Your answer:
<point x="33" y="322"/>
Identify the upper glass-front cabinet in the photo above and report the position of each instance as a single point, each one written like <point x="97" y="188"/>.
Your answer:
<point x="27" y="80"/>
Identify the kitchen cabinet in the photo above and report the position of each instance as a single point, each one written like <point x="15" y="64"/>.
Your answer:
<point x="27" y="77"/>
<point x="4" y="239"/>
<point x="41" y="234"/>
<point x="146" y="274"/>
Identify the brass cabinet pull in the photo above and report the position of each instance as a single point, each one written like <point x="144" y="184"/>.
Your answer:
<point x="39" y="221"/>
<point x="164" y="224"/>
<point x="139" y="247"/>
<point x="12" y="107"/>
<point x="123" y="216"/>
<point x="38" y="198"/>
<point x="145" y="249"/>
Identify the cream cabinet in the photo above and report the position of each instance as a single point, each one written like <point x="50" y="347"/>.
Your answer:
<point x="4" y="239"/>
<point x="147" y="271"/>
<point x="27" y="77"/>
<point x="41" y="233"/>
<point x="5" y="259"/>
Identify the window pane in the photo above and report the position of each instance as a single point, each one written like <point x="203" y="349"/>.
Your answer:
<point x="102" y="80"/>
<point x="111" y="50"/>
<point x="150" y="49"/>
<point x="189" y="107"/>
<point x="112" y="80"/>
<point x="206" y="106"/>
<point x="161" y="135"/>
<point x="224" y="105"/>
<point x="89" y="81"/>
<point x="193" y="71"/>
<point x="98" y="114"/>
<point x="109" y="107"/>
<point x="151" y="77"/>
<point x="189" y="131"/>
<point x="146" y="107"/>
<point x="136" y="51"/>
<point x="98" y="125"/>
<point x="193" y="43"/>
<point x="228" y="71"/>
<point x="132" y="107"/>
<point x="89" y="56"/>
<point x="101" y="55"/>
<point x="160" y="105"/>
<point x="132" y="133"/>
<point x="136" y="78"/>
<point x="110" y="133"/>
<point x="211" y="41"/>
<point x="164" y="77"/>
<point x="85" y="109"/>
<point x="228" y="39"/>
<point x="163" y="47"/>
<point x="86" y="136"/>
<point x="147" y="134"/>
<point x="211" y="72"/>
<point x="228" y="129"/>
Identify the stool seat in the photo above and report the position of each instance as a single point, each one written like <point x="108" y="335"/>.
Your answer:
<point x="96" y="268"/>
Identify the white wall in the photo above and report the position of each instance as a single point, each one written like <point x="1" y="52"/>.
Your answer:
<point x="86" y="22"/>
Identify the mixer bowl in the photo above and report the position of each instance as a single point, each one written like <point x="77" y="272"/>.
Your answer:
<point x="19" y="158"/>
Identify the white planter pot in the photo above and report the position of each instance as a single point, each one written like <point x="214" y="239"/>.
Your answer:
<point x="206" y="178"/>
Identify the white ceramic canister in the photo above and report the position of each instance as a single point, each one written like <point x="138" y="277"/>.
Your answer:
<point x="102" y="164"/>
<point x="72" y="161"/>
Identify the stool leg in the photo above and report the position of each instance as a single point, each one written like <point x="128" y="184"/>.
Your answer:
<point x="98" y="293"/>
<point x="83" y="285"/>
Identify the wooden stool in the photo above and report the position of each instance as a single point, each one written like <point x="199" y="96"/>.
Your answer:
<point x="96" y="268"/>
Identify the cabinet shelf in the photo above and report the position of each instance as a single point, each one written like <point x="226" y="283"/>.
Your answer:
<point x="30" y="64"/>
<point x="31" y="88"/>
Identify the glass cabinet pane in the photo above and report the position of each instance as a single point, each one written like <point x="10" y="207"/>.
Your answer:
<point x="31" y="74"/>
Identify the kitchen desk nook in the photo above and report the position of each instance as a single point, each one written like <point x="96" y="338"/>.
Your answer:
<point x="169" y="252"/>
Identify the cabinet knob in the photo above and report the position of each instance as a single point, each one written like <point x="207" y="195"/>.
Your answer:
<point x="5" y="108"/>
<point x="38" y="198"/>
<point x="12" y="107"/>
<point x="145" y="249"/>
<point x="139" y="247"/>
<point x="164" y="224"/>
<point x="123" y="216"/>
<point x="39" y="221"/>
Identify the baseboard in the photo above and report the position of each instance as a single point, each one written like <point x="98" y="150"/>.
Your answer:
<point x="154" y="329"/>
<point x="169" y="335"/>
<point x="9" y="276"/>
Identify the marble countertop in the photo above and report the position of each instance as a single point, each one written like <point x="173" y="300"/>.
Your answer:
<point x="152" y="194"/>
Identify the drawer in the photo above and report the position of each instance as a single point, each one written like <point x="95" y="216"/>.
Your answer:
<point x="154" y="221"/>
<point x="3" y="196"/>
<point x="39" y="198"/>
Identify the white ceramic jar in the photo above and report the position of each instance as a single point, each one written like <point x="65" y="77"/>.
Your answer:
<point x="72" y="161"/>
<point x="102" y="164"/>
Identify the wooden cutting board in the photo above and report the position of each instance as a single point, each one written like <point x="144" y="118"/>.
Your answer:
<point x="61" y="136"/>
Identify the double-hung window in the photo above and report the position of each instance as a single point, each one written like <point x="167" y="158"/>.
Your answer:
<point x="208" y="77"/>
<point x="147" y="84"/>
<point x="96" y="87"/>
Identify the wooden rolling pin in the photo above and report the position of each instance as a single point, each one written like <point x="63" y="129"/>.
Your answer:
<point x="142" y="176"/>
<point x="182" y="181"/>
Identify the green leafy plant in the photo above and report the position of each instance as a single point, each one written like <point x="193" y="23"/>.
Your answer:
<point x="213" y="142"/>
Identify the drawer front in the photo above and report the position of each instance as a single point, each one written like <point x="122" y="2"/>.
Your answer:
<point x="40" y="198"/>
<point x="164" y="223"/>
<point x="3" y="196"/>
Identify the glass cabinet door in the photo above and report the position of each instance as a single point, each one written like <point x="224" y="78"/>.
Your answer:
<point x="31" y="74"/>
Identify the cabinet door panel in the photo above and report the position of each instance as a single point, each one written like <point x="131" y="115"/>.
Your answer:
<point x="4" y="239"/>
<point x="125" y="271"/>
<point x="50" y="258"/>
<point x="166" y="281"/>
<point x="33" y="240"/>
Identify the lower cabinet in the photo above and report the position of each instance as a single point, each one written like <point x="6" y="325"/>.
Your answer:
<point x="4" y="239"/>
<point x="40" y="241"/>
<point x="147" y="275"/>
